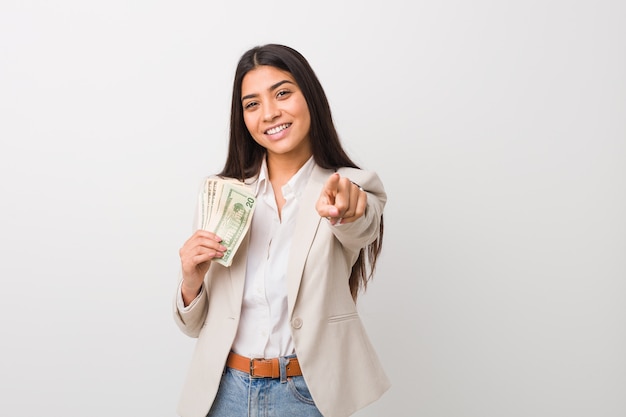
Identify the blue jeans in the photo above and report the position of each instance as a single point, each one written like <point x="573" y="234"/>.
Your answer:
<point x="242" y="396"/>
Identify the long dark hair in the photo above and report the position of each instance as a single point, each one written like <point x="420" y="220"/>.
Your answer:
<point x="245" y="155"/>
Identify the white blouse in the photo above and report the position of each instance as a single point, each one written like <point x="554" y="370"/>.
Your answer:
<point x="264" y="329"/>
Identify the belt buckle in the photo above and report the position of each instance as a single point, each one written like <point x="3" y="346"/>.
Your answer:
<point x="252" y="367"/>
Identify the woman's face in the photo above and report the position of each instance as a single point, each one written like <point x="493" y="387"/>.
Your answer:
<point x="276" y="113"/>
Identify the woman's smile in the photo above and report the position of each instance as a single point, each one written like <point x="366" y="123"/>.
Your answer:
<point x="274" y="131"/>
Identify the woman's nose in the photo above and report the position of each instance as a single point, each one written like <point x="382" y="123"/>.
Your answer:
<point x="271" y="112"/>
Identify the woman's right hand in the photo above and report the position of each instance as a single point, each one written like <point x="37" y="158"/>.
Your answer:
<point x="195" y="257"/>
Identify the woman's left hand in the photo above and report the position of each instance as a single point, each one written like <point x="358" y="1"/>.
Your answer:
<point x="341" y="201"/>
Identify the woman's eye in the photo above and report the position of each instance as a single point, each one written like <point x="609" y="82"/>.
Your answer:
<point x="283" y="93"/>
<point x="249" y="105"/>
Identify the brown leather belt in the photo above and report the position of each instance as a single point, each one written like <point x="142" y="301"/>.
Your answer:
<point x="262" y="368"/>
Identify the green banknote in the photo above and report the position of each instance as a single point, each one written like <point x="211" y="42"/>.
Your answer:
<point x="227" y="211"/>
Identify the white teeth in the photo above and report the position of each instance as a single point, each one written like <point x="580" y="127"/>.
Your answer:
<point x="277" y="129"/>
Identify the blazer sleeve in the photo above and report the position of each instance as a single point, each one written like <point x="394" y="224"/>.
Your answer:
<point x="190" y="319"/>
<point x="362" y="232"/>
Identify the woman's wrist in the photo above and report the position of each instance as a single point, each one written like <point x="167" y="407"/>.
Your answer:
<point x="189" y="293"/>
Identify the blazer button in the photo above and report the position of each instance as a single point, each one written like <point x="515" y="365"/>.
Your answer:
<point x="296" y="323"/>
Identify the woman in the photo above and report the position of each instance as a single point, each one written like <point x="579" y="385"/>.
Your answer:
<point x="289" y="295"/>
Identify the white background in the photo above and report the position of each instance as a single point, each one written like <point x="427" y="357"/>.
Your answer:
<point x="499" y="129"/>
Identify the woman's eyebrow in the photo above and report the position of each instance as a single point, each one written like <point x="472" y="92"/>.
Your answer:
<point x="272" y="87"/>
<point x="278" y="84"/>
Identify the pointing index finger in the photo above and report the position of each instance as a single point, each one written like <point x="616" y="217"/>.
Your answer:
<point x="332" y="184"/>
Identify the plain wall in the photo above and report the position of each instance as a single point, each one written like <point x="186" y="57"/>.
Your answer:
<point x="498" y="128"/>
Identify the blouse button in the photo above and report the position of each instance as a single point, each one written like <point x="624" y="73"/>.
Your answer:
<point x="297" y="322"/>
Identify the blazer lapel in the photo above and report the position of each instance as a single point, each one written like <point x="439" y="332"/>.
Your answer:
<point x="307" y="224"/>
<point x="237" y="271"/>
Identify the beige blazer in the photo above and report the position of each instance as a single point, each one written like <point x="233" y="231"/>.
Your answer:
<point x="338" y="362"/>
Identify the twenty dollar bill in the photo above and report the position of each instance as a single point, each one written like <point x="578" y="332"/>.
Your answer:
<point x="226" y="210"/>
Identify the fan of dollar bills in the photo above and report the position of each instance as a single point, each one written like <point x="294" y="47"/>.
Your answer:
<point x="226" y="209"/>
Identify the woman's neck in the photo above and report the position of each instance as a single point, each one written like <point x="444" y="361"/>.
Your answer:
<point x="281" y="168"/>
